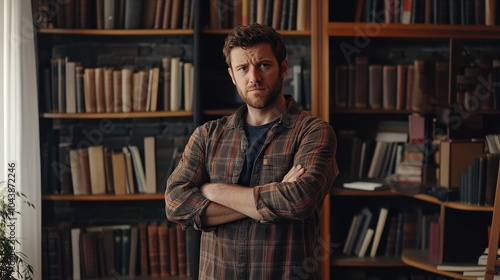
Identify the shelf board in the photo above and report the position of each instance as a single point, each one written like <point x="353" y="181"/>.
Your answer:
<point x="436" y="31"/>
<point x="381" y="261"/>
<point x="349" y="192"/>
<point x="468" y="207"/>
<point x="129" y="115"/>
<point x="422" y="259"/>
<point x="104" y="197"/>
<point x="117" y="32"/>
<point x="371" y="111"/>
<point x="282" y="32"/>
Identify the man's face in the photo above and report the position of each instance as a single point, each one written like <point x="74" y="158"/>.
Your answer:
<point x="256" y="74"/>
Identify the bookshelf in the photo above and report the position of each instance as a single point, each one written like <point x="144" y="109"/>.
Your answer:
<point x="142" y="46"/>
<point x="346" y="34"/>
<point x="316" y="47"/>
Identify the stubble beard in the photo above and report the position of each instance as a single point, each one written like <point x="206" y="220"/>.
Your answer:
<point x="262" y="101"/>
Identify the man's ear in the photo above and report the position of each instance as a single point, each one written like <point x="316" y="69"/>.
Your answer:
<point x="230" y="71"/>
<point x="284" y="68"/>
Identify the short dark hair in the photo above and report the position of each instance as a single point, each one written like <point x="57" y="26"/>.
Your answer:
<point x="251" y="35"/>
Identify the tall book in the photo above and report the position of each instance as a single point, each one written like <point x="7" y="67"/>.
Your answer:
<point x="341" y="86"/>
<point x="70" y="86"/>
<point x="389" y="87"/>
<point x="166" y="65"/>
<point x="97" y="173"/>
<point x="89" y="90"/>
<point x="401" y="76"/>
<point x="163" y="243"/>
<point x="99" y="90"/>
<point x="175" y="98"/>
<point x="455" y="156"/>
<point x="381" y="221"/>
<point x="108" y="90"/>
<point x="361" y="85"/>
<point x="375" y="86"/>
<point x="117" y="91"/>
<point x="119" y="173"/>
<point x="127" y="88"/>
<point x="138" y="168"/>
<point x="83" y="156"/>
<point x="150" y="164"/>
<point x="153" y="249"/>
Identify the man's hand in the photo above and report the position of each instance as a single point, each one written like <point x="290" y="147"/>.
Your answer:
<point x="294" y="174"/>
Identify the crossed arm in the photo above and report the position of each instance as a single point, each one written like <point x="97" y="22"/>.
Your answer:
<point x="234" y="202"/>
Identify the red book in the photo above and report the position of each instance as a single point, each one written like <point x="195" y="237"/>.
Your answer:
<point x="172" y="238"/>
<point x="153" y="250"/>
<point x="181" y="250"/>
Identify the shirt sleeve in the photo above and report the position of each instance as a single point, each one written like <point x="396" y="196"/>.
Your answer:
<point x="300" y="199"/>
<point x="184" y="204"/>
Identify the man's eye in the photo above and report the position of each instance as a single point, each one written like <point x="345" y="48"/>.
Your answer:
<point x="264" y="65"/>
<point x="241" y="69"/>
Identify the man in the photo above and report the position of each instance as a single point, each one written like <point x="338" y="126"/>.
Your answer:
<point x="254" y="182"/>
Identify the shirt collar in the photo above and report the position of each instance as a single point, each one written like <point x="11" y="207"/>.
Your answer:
<point x="288" y="118"/>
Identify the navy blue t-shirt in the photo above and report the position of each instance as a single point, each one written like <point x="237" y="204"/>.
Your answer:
<point x="256" y="136"/>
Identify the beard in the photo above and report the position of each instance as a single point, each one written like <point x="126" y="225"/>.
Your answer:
<point x="261" y="100"/>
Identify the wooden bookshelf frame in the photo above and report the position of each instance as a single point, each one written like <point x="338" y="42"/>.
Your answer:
<point x="121" y="115"/>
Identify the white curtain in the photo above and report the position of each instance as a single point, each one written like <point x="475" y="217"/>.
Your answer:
<point x="19" y="138"/>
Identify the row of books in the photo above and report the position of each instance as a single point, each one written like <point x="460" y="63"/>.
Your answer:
<point x="493" y="143"/>
<point x="103" y="169"/>
<point x="478" y="183"/>
<point x="78" y="89"/>
<point x="416" y="86"/>
<point x="400" y="87"/>
<point x="372" y="158"/>
<point x="386" y="232"/>
<point x="116" y="14"/>
<point x="145" y="248"/>
<point x="280" y="14"/>
<point x="462" y="12"/>
<point x="478" y="86"/>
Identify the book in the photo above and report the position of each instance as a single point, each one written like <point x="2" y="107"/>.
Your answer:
<point x="119" y="173"/>
<point x="138" y="168"/>
<point x="389" y="87"/>
<point x="374" y="86"/>
<point x="70" y="84"/>
<point x="361" y="85"/>
<point x="163" y="250"/>
<point x="117" y="91"/>
<point x="127" y="89"/>
<point x="108" y="90"/>
<point x="153" y="250"/>
<point x="455" y="156"/>
<point x="365" y="186"/>
<point x="89" y="89"/>
<point x="99" y="90"/>
<point x="461" y="267"/>
<point x="150" y="164"/>
<point x="97" y="173"/>
<point x="381" y="221"/>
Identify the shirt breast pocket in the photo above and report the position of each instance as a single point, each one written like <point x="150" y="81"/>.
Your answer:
<point x="274" y="168"/>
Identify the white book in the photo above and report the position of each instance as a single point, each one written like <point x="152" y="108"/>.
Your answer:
<point x="138" y="168"/>
<point x="155" y="77"/>
<point x="364" y="186"/>
<point x="188" y="86"/>
<point x="150" y="164"/>
<point x="297" y="83"/>
<point x="382" y="217"/>
<point x="75" y="252"/>
<point x="130" y="188"/>
<point x="76" y="175"/>
<point x="366" y="242"/>
<point x="149" y="91"/>
<point x="175" y="99"/>
<point x="70" y="86"/>
<point x="97" y="173"/>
